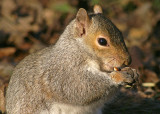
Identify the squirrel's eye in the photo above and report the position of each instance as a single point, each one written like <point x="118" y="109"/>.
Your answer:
<point x="102" y="41"/>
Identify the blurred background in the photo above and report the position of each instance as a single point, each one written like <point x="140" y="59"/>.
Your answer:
<point x="29" y="25"/>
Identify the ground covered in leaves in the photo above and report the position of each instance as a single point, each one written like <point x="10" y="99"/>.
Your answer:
<point x="29" y="25"/>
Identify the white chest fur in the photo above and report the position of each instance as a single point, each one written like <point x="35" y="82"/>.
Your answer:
<point x="58" y="108"/>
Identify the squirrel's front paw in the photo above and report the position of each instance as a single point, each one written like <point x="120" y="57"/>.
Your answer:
<point x="126" y="76"/>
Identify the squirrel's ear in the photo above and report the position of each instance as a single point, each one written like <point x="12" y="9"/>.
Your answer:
<point x="97" y="9"/>
<point x="82" y="22"/>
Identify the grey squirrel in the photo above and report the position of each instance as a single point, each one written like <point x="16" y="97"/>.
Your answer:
<point x="75" y="75"/>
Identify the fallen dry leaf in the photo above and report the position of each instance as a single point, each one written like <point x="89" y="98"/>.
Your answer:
<point x="7" y="51"/>
<point x="150" y="76"/>
<point x="2" y="97"/>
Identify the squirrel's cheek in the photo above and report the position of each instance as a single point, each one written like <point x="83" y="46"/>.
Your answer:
<point x="106" y="67"/>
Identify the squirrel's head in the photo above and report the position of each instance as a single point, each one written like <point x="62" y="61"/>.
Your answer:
<point x="103" y="38"/>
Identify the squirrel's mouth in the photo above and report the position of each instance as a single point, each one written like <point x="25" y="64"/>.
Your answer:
<point x="109" y="66"/>
<point x="110" y="63"/>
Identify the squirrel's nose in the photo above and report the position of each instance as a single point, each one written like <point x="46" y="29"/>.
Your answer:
<point x="128" y="61"/>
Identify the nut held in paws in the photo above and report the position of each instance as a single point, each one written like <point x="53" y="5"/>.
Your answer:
<point x="117" y="69"/>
